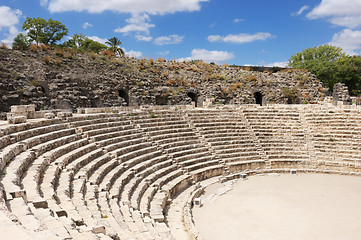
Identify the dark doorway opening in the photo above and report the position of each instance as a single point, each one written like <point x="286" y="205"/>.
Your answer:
<point x="123" y="94"/>
<point x="258" y="96"/>
<point x="161" y="100"/>
<point x="194" y="97"/>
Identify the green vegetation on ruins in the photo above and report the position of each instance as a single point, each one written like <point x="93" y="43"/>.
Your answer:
<point x="331" y="65"/>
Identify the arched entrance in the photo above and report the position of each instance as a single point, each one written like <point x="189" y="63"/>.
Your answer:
<point x="194" y="97"/>
<point x="123" y="94"/>
<point x="161" y="100"/>
<point x="258" y="97"/>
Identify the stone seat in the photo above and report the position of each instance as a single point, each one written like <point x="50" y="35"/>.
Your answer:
<point x="192" y="154"/>
<point x="110" y="135"/>
<point x="225" y="139"/>
<point x="89" y="120"/>
<point x="180" y="148"/>
<point x="156" y="180"/>
<point x="132" y="150"/>
<point x="235" y="149"/>
<point x="239" y="156"/>
<point x="34" y="175"/>
<point x="207" y="172"/>
<point x="175" y="139"/>
<point x="288" y="155"/>
<point x="277" y="150"/>
<point x="240" y="166"/>
<point x="19" y="207"/>
<point x="199" y="164"/>
<point x="76" y="153"/>
<point x="123" y="230"/>
<point x="194" y="149"/>
<point x="9" y="152"/>
<point x="167" y="191"/>
<point x="147" y="179"/>
<point x="122" y="174"/>
<point x="246" y="142"/>
<point x="110" y="130"/>
<point x="170" y="131"/>
<point x="173" y="135"/>
<point x="82" y="161"/>
<point x="93" y="166"/>
<point x="126" y="136"/>
<point x="107" y="215"/>
<point x="220" y="134"/>
<point x="104" y="123"/>
<point x="30" y="132"/>
<point x="146" y="119"/>
<point x="165" y="123"/>
<point x="291" y="143"/>
<point x="172" y="146"/>
<point x="223" y="128"/>
<point x="162" y="127"/>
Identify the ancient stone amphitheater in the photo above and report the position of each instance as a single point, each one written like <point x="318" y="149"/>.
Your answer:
<point x="118" y="174"/>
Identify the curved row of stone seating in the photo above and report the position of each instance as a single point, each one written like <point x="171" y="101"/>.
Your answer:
<point x="280" y="132"/>
<point x="335" y="134"/>
<point x="105" y="176"/>
<point x="228" y="135"/>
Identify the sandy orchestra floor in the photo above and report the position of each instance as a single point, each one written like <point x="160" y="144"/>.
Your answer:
<point x="303" y="206"/>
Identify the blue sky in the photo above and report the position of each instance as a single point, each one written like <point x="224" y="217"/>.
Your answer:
<point x="258" y="32"/>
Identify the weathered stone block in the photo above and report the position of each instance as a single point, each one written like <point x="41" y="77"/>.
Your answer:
<point x="64" y="115"/>
<point x="99" y="229"/>
<point x="49" y="115"/>
<point x="17" y="119"/>
<point x="40" y="204"/>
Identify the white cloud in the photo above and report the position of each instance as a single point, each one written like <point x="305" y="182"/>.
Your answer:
<point x="348" y="40"/>
<point x="87" y="25"/>
<point x="237" y="20"/>
<point x="240" y="38"/>
<point x="276" y="64"/>
<point x="346" y="13"/>
<point x="165" y="40"/>
<point x="98" y="39"/>
<point x="132" y="53"/>
<point x="126" y="6"/>
<point x="163" y="53"/>
<point x="212" y="25"/>
<point x="301" y="10"/>
<point x="209" y="56"/>
<point x="43" y="3"/>
<point x="137" y="23"/>
<point x="9" y="18"/>
<point x="143" y="38"/>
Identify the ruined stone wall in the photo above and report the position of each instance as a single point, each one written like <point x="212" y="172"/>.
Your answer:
<point x="72" y="80"/>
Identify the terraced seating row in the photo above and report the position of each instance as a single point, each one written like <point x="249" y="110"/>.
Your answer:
<point x="115" y="176"/>
<point x="280" y="133"/>
<point x="335" y="134"/>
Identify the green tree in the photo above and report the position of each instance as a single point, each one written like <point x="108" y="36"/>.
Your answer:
<point x="114" y="44"/>
<point x="321" y="61"/>
<point x="76" y="41"/>
<point x="91" y="45"/>
<point x="21" y="42"/>
<point x="42" y="31"/>
<point x="350" y="73"/>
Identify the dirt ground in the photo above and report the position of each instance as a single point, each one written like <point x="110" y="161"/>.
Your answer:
<point x="297" y="207"/>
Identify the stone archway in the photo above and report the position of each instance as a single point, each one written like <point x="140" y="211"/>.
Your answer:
<point x="194" y="97"/>
<point x="161" y="100"/>
<point x="258" y="98"/>
<point x="123" y="94"/>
